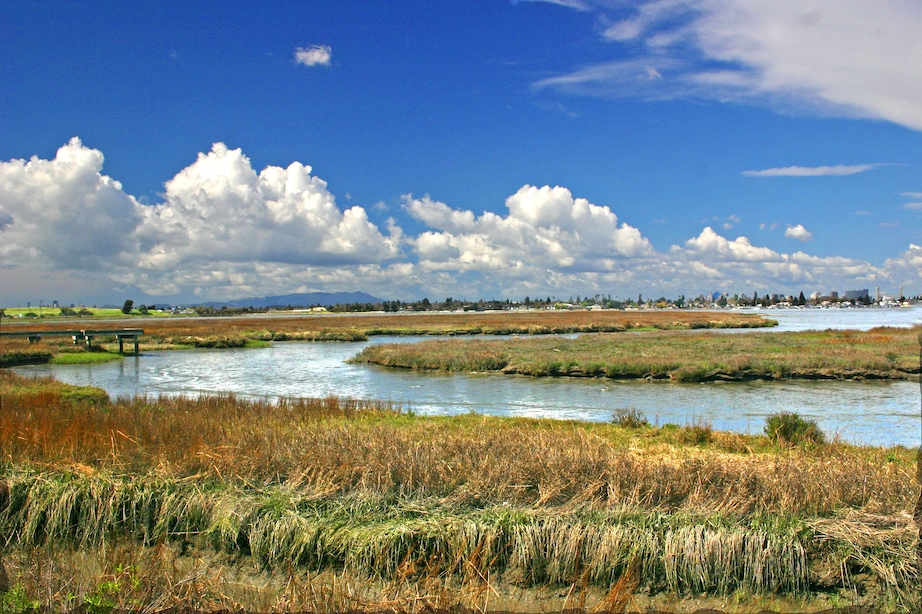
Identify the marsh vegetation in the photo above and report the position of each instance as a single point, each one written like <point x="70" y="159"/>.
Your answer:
<point x="881" y="353"/>
<point x="319" y="504"/>
<point x="237" y="332"/>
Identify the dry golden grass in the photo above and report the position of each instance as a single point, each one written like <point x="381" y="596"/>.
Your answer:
<point x="340" y="446"/>
<point x="365" y="490"/>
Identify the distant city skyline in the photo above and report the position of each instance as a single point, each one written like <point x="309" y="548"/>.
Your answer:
<point x="495" y="149"/>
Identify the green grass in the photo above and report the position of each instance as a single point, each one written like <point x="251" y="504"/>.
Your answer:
<point x="84" y="358"/>
<point x="47" y="312"/>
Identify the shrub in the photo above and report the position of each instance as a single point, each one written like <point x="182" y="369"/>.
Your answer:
<point x="24" y="357"/>
<point x="697" y="434"/>
<point x="629" y="418"/>
<point x="791" y="429"/>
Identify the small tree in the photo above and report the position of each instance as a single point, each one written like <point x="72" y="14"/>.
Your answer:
<point x="143" y="309"/>
<point x="126" y="308"/>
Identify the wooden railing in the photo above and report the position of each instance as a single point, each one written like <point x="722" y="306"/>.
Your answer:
<point x="83" y="336"/>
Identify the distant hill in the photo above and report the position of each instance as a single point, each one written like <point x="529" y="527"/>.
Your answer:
<point x="307" y="299"/>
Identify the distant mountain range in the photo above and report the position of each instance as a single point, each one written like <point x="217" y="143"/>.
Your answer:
<point x="307" y="299"/>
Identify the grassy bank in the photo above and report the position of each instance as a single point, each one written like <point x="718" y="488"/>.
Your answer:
<point x="361" y="503"/>
<point x="246" y="331"/>
<point x="884" y="353"/>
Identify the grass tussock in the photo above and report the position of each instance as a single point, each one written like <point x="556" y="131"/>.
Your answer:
<point x="790" y="428"/>
<point x="671" y="356"/>
<point x="366" y="490"/>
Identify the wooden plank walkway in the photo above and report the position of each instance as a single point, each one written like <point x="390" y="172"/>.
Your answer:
<point x="84" y="336"/>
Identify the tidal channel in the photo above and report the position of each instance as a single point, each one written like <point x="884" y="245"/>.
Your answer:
<point x="874" y="413"/>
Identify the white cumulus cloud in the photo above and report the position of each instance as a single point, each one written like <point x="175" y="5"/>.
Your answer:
<point x="317" y="55"/>
<point x="225" y="230"/>
<point x="711" y="245"/>
<point x="219" y="222"/>
<point x="546" y="229"/>
<point x="798" y="232"/>
<point x="63" y="212"/>
<point x="220" y="209"/>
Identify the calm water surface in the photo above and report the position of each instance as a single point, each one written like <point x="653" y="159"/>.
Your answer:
<point x="872" y="413"/>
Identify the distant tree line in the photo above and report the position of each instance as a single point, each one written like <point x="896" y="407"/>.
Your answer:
<point x="549" y="302"/>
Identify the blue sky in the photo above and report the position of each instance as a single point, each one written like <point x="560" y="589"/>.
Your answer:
<point x="495" y="149"/>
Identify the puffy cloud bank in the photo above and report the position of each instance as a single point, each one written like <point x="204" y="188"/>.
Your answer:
<point x="546" y="229"/>
<point x="53" y="213"/>
<point x="219" y="208"/>
<point x="225" y="230"/>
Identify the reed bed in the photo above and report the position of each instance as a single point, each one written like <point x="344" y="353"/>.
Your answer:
<point x="336" y="447"/>
<point x="368" y="490"/>
<point x="883" y="353"/>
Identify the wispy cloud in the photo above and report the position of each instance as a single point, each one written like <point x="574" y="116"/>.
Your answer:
<point x="647" y="78"/>
<point x="836" y="57"/>
<point x="916" y="203"/>
<point x="317" y="55"/>
<point x="579" y="5"/>
<point x="812" y="171"/>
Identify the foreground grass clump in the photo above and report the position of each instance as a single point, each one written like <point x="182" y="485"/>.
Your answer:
<point x="886" y="353"/>
<point x="364" y="490"/>
<point x="629" y="418"/>
<point x="792" y="429"/>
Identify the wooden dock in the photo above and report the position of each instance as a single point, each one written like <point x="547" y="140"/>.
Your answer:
<point x="83" y="336"/>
